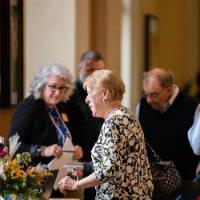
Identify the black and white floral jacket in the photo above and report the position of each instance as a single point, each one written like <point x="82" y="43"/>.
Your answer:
<point x="120" y="159"/>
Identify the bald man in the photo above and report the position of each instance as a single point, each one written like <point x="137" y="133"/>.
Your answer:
<point x="166" y="116"/>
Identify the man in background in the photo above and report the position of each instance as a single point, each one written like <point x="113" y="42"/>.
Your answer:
<point x="83" y="126"/>
<point x="166" y="115"/>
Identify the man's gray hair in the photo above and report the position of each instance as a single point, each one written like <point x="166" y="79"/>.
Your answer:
<point x="91" y="55"/>
<point x="45" y="73"/>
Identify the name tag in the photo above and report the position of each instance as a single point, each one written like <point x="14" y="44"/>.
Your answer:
<point x="64" y="117"/>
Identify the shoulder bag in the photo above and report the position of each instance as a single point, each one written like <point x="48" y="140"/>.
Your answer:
<point x="166" y="178"/>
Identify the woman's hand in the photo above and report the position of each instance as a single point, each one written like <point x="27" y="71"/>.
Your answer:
<point x="52" y="150"/>
<point x="68" y="183"/>
<point x="78" y="152"/>
<point x="75" y="172"/>
<point x="78" y="172"/>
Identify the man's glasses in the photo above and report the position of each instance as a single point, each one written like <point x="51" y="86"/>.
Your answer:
<point x="153" y="95"/>
<point x="54" y="88"/>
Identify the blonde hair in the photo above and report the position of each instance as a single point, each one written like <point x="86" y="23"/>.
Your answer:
<point x="106" y="79"/>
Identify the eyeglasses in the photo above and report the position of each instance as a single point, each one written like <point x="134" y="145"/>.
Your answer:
<point x="153" y="95"/>
<point x="54" y="88"/>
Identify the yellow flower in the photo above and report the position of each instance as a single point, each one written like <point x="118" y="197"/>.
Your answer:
<point x="22" y="173"/>
<point x="18" y="173"/>
<point x="14" y="175"/>
<point x="21" y="178"/>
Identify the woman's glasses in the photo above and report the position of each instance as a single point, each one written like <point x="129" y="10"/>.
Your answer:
<point x="54" y="88"/>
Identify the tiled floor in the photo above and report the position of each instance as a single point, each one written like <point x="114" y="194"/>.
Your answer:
<point x="5" y="120"/>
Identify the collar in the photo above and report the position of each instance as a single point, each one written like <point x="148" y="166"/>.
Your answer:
<point x="173" y="97"/>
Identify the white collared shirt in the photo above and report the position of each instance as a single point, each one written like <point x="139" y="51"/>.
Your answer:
<point x="172" y="99"/>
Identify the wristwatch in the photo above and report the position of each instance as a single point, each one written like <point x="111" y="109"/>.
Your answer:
<point x="40" y="150"/>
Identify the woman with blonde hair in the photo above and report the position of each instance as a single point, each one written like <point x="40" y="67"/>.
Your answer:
<point x="120" y="166"/>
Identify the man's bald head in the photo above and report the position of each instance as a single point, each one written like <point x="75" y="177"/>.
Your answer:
<point x="164" y="78"/>
<point x="158" y="86"/>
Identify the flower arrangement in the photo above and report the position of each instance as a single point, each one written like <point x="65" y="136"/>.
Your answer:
<point x="18" y="180"/>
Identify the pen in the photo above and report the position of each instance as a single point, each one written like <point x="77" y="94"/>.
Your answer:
<point x="68" y="151"/>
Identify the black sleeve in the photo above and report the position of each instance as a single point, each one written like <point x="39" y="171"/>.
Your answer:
<point x="87" y="169"/>
<point x="22" y="123"/>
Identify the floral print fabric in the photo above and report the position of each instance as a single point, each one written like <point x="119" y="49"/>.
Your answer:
<point x="120" y="160"/>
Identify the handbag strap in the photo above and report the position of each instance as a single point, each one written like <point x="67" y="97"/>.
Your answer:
<point x="152" y="155"/>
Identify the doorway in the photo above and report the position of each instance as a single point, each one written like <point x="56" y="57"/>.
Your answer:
<point x="11" y="52"/>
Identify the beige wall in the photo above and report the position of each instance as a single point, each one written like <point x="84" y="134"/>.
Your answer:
<point x="49" y="35"/>
<point x="179" y="38"/>
<point x="105" y="30"/>
<point x="172" y="37"/>
<point x="62" y="31"/>
<point x="83" y="28"/>
<point x="192" y="42"/>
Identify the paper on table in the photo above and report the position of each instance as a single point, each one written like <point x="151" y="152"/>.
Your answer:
<point x="58" y="163"/>
<point x="61" y="174"/>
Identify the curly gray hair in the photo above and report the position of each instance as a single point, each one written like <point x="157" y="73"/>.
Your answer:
<point x="43" y="75"/>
